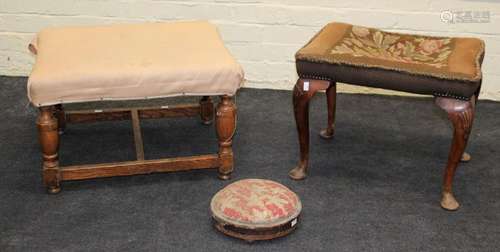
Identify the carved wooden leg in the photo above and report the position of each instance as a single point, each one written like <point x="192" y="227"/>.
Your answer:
<point x="49" y="141"/>
<point x="331" y="97"/>
<point x="206" y="110"/>
<point x="226" y="126"/>
<point x="303" y="91"/>
<point x="461" y="114"/>
<point x="61" y="118"/>
<point x="466" y="157"/>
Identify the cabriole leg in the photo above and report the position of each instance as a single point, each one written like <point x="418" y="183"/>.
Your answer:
<point x="303" y="91"/>
<point x="461" y="114"/>
<point x="331" y="98"/>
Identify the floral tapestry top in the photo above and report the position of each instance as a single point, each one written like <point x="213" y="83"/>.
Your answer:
<point x="256" y="203"/>
<point x="376" y="44"/>
<point x="341" y="44"/>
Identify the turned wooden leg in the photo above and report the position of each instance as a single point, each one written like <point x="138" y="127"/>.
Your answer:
<point x="331" y="97"/>
<point x="49" y="141"/>
<point x="303" y="91"/>
<point x="226" y="126"/>
<point x="61" y="118"/>
<point x="461" y="114"/>
<point x="206" y="110"/>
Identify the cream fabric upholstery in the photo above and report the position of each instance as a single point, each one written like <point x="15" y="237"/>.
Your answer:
<point x="134" y="61"/>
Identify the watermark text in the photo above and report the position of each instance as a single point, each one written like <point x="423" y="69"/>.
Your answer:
<point x="465" y="16"/>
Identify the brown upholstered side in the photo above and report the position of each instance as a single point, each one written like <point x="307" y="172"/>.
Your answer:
<point x="388" y="79"/>
<point x="371" y="57"/>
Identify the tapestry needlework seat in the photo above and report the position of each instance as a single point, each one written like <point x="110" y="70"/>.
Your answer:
<point x="449" y="68"/>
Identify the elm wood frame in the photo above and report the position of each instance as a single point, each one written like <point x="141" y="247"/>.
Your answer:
<point x="52" y="121"/>
<point x="460" y="113"/>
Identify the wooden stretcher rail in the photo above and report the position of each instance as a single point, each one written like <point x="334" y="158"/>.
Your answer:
<point x="80" y="172"/>
<point x="136" y="125"/>
<point x="52" y="121"/>
<point x="97" y="115"/>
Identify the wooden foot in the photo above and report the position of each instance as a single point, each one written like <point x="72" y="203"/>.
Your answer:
<point x="331" y="97"/>
<point x="466" y="157"/>
<point x="448" y="202"/>
<point x="223" y="176"/>
<point x="49" y="142"/>
<point x="61" y="118"/>
<point x="299" y="172"/>
<point x="206" y="110"/>
<point x="461" y="114"/>
<point x="303" y="91"/>
<point x="225" y="126"/>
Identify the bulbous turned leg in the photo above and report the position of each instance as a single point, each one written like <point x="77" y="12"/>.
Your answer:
<point x="206" y="110"/>
<point x="61" y="118"/>
<point x="49" y="142"/>
<point x="331" y="97"/>
<point x="461" y="114"/>
<point x="303" y="91"/>
<point x="226" y="126"/>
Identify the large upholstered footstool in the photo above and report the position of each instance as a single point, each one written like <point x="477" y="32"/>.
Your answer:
<point x="131" y="62"/>
<point x="447" y="68"/>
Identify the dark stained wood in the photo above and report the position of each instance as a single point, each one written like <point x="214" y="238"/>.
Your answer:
<point x="257" y="234"/>
<point x="331" y="98"/>
<point x="301" y="97"/>
<point x="61" y="117"/>
<point x="226" y="127"/>
<point x="461" y="114"/>
<point x="85" y="116"/>
<point x="48" y="133"/>
<point x="136" y="125"/>
<point x="129" y="168"/>
<point x="206" y="110"/>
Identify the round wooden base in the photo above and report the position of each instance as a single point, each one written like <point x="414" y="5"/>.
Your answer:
<point x="256" y="234"/>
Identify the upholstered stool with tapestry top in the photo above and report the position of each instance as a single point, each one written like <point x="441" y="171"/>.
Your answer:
<point x="256" y="209"/>
<point x="132" y="62"/>
<point x="447" y="68"/>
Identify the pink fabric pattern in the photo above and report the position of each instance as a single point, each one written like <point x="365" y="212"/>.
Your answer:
<point x="256" y="202"/>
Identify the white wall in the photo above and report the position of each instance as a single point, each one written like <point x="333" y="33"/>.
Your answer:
<point x="262" y="34"/>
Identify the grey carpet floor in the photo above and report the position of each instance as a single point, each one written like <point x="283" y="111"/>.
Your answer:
<point x="375" y="187"/>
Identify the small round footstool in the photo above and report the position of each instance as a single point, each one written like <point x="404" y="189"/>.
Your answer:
<point x="255" y="209"/>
